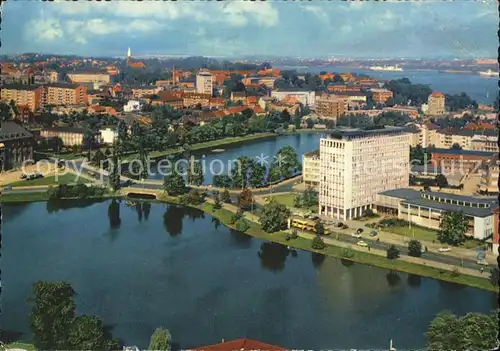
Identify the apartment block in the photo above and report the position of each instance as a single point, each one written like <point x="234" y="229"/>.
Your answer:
<point x="310" y="168"/>
<point x="204" y="83"/>
<point x="436" y="104"/>
<point x="355" y="165"/>
<point x="489" y="176"/>
<point x="29" y="96"/>
<point x="58" y="94"/>
<point x="89" y="77"/>
<point x="306" y="98"/>
<point x="381" y="96"/>
<point x="331" y="107"/>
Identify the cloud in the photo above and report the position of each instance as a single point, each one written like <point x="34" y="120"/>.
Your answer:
<point x="239" y="28"/>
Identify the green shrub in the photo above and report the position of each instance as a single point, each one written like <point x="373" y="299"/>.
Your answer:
<point x="318" y="243"/>
<point x="242" y="225"/>
<point x="294" y="234"/>
<point x="347" y="252"/>
<point x="392" y="252"/>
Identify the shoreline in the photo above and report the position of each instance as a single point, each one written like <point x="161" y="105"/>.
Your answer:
<point x="224" y="216"/>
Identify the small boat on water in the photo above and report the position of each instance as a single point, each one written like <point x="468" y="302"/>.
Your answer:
<point x="218" y="150"/>
<point x="130" y="203"/>
<point x="488" y="73"/>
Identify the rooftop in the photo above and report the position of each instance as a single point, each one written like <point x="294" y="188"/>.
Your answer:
<point x="349" y="133"/>
<point x="240" y="345"/>
<point x="462" y="152"/>
<point x="12" y="131"/>
<point x="312" y="153"/>
<point x="19" y="86"/>
<point x="469" y="205"/>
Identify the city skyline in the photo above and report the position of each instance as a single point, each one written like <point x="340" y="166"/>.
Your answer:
<point x="239" y="29"/>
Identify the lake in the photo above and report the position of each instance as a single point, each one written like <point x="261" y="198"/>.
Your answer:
<point x="177" y="268"/>
<point x="262" y="150"/>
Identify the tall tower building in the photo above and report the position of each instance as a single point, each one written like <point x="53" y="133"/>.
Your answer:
<point x="355" y="165"/>
<point x="204" y="83"/>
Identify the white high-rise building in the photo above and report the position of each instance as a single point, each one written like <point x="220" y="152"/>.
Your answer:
<point x="204" y="83"/>
<point x="355" y="165"/>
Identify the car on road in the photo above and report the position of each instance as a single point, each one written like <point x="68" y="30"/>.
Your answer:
<point x="482" y="262"/>
<point x="373" y="233"/>
<point x="444" y="249"/>
<point x="362" y="243"/>
<point x="356" y="235"/>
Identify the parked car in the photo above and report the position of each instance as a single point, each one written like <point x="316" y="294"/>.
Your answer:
<point x="482" y="262"/>
<point x="359" y="231"/>
<point x="362" y="243"/>
<point x="373" y="233"/>
<point x="444" y="249"/>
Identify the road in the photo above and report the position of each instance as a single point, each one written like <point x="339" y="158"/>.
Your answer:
<point x="432" y="256"/>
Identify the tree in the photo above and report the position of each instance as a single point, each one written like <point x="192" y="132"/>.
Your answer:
<point x="160" y="340"/>
<point x="221" y="181"/>
<point x="257" y="175"/>
<point x="452" y="228"/>
<point x="494" y="276"/>
<point x="456" y="146"/>
<point x="225" y="196"/>
<point x="217" y="202"/>
<point x="195" y="174"/>
<point x="55" y="325"/>
<point x="319" y="227"/>
<point x="441" y="181"/>
<point x="98" y="158"/>
<point x="114" y="170"/>
<point x="89" y="333"/>
<point x="274" y="217"/>
<point x="287" y="161"/>
<point x="474" y="331"/>
<point x="174" y="183"/>
<point x="245" y="199"/>
<point x="52" y="314"/>
<point x="392" y="252"/>
<point x="414" y="248"/>
<point x="318" y="243"/>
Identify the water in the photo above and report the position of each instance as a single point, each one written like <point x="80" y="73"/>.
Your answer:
<point x="482" y="89"/>
<point x="205" y="283"/>
<point x="259" y="150"/>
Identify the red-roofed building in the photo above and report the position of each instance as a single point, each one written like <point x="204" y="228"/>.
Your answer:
<point x="436" y="102"/>
<point x="480" y="126"/>
<point x="241" y="345"/>
<point x="251" y="100"/>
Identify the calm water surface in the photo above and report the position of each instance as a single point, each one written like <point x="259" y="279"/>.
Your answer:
<point x="205" y="282"/>
<point x="262" y="150"/>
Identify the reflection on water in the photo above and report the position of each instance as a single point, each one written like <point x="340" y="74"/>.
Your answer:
<point x="214" y="284"/>
<point x="273" y="256"/>
<point x="414" y="280"/>
<point x="317" y="259"/>
<point x="240" y="240"/>
<point x="393" y="278"/>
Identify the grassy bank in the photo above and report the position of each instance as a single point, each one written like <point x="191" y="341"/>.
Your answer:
<point x="67" y="178"/>
<point x="18" y="345"/>
<point x="224" y="216"/>
<point x="205" y="145"/>
<point x="24" y="197"/>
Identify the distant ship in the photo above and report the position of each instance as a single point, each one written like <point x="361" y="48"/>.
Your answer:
<point x="488" y="73"/>
<point x="386" y="68"/>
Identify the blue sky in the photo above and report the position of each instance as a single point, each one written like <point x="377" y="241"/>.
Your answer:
<point x="465" y="29"/>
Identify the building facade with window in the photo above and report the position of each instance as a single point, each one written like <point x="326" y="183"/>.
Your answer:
<point x="310" y="168"/>
<point x="355" y="165"/>
<point x="425" y="208"/>
<point x="16" y="146"/>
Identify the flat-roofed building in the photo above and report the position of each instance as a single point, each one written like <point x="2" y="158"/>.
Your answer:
<point x="458" y="160"/>
<point x="425" y="208"/>
<point x="381" y="96"/>
<point x="57" y="94"/>
<point x="484" y="143"/>
<point x="23" y="95"/>
<point x="331" y="106"/>
<point x="355" y="165"/>
<point x="306" y="98"/>
<point x="489" y="176"/>
<point x="310" y="168"/>
<point x="88" y="77"/>
<point x="436" y="104"/>
<point x="204" y="83"/>
<point x="70" y="136"/>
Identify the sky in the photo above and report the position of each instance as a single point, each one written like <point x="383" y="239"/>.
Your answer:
<point x="410" y="29"/>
